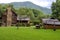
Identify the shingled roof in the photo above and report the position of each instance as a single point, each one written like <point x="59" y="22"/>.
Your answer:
<point x="51" y="21"/>
<point x="22" y="18"/>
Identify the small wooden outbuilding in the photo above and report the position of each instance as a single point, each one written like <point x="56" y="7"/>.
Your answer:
<point x="23" y="20"/>
<point x="51" y="23"/>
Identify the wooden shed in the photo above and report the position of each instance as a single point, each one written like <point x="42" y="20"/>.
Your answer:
<point x="23" y="20"/>
<point x="9" y="17"/>
<point x="51" y="23"/>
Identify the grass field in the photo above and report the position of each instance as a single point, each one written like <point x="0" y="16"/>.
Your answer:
<point x="28" y="33"/>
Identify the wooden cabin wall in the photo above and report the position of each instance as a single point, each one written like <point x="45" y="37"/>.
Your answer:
<point x="51" y="26"/>
<point x="58" y="26"/>
<point x="23" y="22"/>
<point x="14" y="18"/>
<point x="48" y="26"/>
<point x="4" y="20"/>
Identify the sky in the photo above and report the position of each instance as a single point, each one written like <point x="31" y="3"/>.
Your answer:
<point x="43" y="3"/>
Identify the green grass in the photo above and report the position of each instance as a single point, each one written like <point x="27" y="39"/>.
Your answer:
<point x="28" y="33"/>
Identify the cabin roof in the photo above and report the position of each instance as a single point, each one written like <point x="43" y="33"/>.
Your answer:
<point x="22" y="18"/>
<point x="11" y="11"/>
<point x="14" y="12"/>
<point x="51" y="21"/>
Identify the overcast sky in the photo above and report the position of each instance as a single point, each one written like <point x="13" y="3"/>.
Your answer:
<point x="43" y="3"/>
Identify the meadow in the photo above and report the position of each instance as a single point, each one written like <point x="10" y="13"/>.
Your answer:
<point x="28" y="33"/>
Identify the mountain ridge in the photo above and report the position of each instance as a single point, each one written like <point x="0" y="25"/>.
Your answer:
<point x="29" y="4"/>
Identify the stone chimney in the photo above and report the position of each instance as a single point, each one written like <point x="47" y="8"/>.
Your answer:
<point x="9" y="16"/>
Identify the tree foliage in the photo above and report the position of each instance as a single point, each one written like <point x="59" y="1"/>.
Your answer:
<point x="32" y="13"/>
<point x="56" y="9"/>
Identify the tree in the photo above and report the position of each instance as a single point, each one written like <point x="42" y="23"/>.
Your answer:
<point x="32" y="13"/>
<point x="56" y="9"/>
<point x="2" y="9"/>
<point x="54" y="12"/>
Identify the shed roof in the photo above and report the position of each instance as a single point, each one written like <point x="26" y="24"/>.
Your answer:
<point x="22" y="18"/>
<point x="51" y="21"/>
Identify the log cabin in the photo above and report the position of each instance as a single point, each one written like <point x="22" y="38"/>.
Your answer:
<point x="9" y="17"/>
<point x="51" y="23"/>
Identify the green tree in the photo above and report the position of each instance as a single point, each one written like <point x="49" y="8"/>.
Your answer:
<point x="2" y="9"/>
<point x="56" y="9"/>
<point x="34" y="14"/>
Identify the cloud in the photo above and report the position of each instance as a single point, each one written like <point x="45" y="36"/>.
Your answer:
<point x="43" y="3"/>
